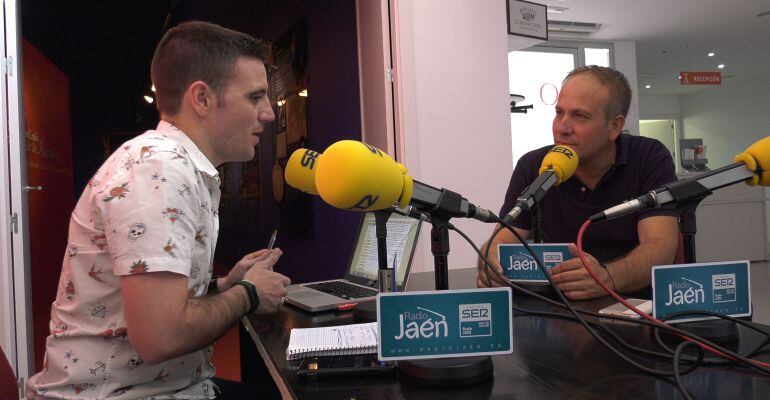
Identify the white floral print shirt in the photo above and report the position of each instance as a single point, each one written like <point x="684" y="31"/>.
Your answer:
<point x="152" y="206"/>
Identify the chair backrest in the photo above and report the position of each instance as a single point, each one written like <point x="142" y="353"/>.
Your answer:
<point x="8" y="385"/>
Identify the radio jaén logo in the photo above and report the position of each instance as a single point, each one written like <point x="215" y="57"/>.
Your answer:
<point x="421" y="324"/>
<point x="723" y="288"/>
<point x="685" y="292"/>
<point x="475" y="320"/>
<point x="522" y="262"/>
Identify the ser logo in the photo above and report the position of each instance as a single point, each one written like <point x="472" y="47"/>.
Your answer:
<point x="420" y="324"/>
<point x="553" y="257"/>
<point x="563" y="150"/>
<point x="723" y="288"/>
<point x="475" y="320"/>
<point x="309" y="159"/>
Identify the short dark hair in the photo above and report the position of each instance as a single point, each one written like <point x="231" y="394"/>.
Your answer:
<point x="198" y="51"/>
<point x="615" y="81"/>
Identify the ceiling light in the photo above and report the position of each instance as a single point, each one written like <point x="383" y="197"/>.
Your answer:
<point x="152" y="87"/>
<point x="710" y="54"/>
<point x="720" y="66"/>
<point x="303" y="93"/>
<point x="280" y="103"/>
<point x="148" y="99"/>
<point x="647" y="86"/>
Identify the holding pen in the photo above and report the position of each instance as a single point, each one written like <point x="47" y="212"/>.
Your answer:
<point x="271" y="244"/>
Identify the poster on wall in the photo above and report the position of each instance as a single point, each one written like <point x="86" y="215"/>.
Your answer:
<point x="289" y="86"/>
<point x="527" y="19"/>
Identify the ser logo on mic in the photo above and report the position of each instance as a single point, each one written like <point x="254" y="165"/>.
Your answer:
<point x="309" y="159"/>
<point x="365" y="203"/>
<point x="373" y="149"/>
<point x="563" y="150"/>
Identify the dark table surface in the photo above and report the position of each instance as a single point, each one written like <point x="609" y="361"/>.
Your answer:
<point x="552" y="358"/>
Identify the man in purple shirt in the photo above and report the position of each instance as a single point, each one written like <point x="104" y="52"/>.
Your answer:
<point x="590" y="113"/>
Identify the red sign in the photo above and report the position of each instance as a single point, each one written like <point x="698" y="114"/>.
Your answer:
<point x="700" y="78"/>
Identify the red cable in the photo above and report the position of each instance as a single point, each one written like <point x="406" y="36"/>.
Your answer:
<point x="644" y="315"/>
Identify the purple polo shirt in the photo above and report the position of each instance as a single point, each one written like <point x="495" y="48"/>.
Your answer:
<point x="641" y="165"/>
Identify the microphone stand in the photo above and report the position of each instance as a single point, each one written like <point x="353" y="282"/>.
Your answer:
<point x="367" y="310"/>
<point x="444" y="372"/>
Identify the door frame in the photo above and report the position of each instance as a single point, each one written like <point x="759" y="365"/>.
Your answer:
<point x="15" y="303"/>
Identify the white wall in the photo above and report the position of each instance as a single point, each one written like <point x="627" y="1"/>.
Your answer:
<point x="456" y="117"/>
<point x="728" y="118"/>
<point x="625" y="62"/>
<point x="655" y="107"/>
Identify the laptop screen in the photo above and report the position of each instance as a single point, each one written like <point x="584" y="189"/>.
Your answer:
<point x="402" y="235"/>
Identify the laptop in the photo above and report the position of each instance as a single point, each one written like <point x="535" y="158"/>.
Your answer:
<point x="360" y="281"/>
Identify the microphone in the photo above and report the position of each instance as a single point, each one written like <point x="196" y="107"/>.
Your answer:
<point x="752" y="166"/>
<point x="558" y="166"/>
<point x="359" y="177"/>
<point x="300" y="174"/>
<point x="300" y="170"/>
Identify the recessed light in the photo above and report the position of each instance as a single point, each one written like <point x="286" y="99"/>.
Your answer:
<point x="710" y="54"/>
<point x="148" y="99"/>
<point x="647" y="86"/>
<point x="720" y="66"/>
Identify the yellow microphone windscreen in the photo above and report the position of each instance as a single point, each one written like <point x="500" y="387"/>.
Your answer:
<point x="757" y="159"/>
<point x="359" y="177"/>
<point x="301" y="170"/>
<point x="562" y="160"/>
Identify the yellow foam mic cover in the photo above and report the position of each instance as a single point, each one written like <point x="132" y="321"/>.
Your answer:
<point x="562" y="160"/>
<point x="757" y="159"/>
<point x="301" y="170"/>
<point x="359" y="177"/>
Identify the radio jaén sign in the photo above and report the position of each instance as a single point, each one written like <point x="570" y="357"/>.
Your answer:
<point x="700" y="78"/>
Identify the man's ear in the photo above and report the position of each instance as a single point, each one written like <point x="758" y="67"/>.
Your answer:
<point x="200" y="96"/>
<point x="615" y="125"/>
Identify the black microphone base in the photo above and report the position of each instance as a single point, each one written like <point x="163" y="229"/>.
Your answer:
<point x="543" y="288"/>
<point x="365" y="311"/>
<point x="717" y="331"/>
<point x="447" y="372"/>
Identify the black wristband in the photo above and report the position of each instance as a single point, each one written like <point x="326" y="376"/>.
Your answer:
<point x="251" y="290"/>
<point x="213" y="285"/>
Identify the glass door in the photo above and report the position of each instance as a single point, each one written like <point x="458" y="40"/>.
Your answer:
<point x="536" y="75"/>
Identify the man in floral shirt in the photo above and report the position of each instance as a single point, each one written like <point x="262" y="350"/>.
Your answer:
<point x="134" y="315"/>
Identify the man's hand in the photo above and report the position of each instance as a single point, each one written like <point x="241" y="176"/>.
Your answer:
<point x="483" y="278"/>
<point x="240" y="268"/>
<point x="271" y="286"/>
<point x="573" y="279"/>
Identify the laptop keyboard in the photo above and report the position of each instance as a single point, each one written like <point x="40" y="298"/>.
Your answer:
<point x="343" y="289"/>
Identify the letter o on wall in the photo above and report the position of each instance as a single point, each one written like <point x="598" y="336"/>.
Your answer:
<point x="549" y="93"/>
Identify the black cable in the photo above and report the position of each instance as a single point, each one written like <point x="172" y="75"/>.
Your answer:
<point x="488" y="267"/>
<point x="669" y="328"/>
<point x="566" y="302"/>
<point x="677" y="375"/>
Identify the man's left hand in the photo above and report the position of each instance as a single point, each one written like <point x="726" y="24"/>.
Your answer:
<point x="573" y="279"/>
<point x="240" y="268"/>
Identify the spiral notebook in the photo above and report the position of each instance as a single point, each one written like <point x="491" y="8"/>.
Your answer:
<point x="332" y="341"/>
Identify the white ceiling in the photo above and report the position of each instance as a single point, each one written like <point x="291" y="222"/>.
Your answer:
<point x="675" y="35"/>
